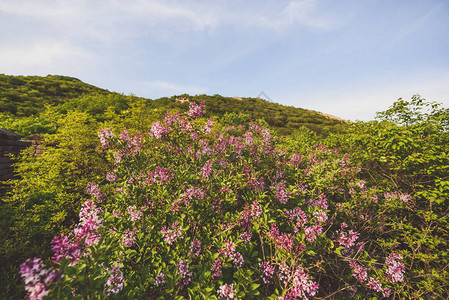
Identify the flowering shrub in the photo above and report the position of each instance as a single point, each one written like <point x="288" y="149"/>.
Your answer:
<point x="197" y="209"/>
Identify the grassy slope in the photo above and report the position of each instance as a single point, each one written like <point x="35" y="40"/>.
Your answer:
<point x="28" y="95"/>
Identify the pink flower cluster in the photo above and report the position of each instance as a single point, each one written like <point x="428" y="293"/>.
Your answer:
<point x="197" y="111"/>
<point x="395" y="269"/>
<point x="171" y="235"/>
<point x="281" y="193"/>
<point x="65" y="247"/>
<point x="206" y="169"/>
<point x="158" y="130"/>
<point x="114" y="283"/>
<point x="85" y="234"/>
<point x="134" y="213"/>
<point x="37" y="278"/>
<point x="111" y="177"/>
<point x="321" y="202"/>
<point x="296" y="159"/>
<point x="298" y="217"/>
<point x="229" y="251"/>
<point x="160" y="175"/>
<point x="195" y="248"/>
<point x="282" y="240"/>
<point x="312" y="232"/>
<point x="128" y="239"/>
<point x="250" y="213"/>
<point x="266" y="271"/>
<point x="320" y="215"/>
<point x="404" y="197"/>
<point x="133" y="142"/>
<point x="208" y="126"/>
<point x="90" y="222"/>
<point x="347" y="239"/>
<point x="301" y="285"/>
<point x="183" y="270"/>
<point x="105" y="134"/>
<point x="160" y="279"/>
<point x="191" y="194"/>
<point x="216" y="268"/>
<point x="94" y="190"/>
<point x="226" y="291"/>
<point x="358" y="271"/>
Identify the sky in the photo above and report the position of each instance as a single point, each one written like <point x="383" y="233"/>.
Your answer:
<point x="348" y="58"/>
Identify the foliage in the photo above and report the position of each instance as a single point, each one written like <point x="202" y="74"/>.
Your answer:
<point x="411" y="157"/>
<point x="46" y="198"/>
<point x="220" y="206"/>
<point x="196" y="209"/>
<point x="28" y="96"/>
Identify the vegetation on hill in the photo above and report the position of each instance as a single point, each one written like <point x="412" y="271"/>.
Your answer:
<point x="24" y="99"/>
<point x="28" y="95"/>
<point x="139" y="198"/>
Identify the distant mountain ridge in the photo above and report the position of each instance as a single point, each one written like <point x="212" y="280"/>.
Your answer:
<point x="29" y="95"/>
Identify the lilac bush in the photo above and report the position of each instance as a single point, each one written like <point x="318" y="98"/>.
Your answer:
<point x="197" y="209"/>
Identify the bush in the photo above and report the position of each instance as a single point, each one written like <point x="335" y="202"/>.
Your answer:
<point x="194" y="209"/>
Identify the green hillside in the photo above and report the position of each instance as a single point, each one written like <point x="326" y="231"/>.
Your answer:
<point x="27" y="96"/>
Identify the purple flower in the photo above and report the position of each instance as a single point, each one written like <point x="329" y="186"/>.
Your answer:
<point x="312" y="232"/>
<point x="246" y="237"/>
<point x="216" y="268"/>
<point x="386" y="292"/>
<point x="298" y="216"/>
<point x="183" y="270"/>
<point x="104" y="135"/>
<point x="358" y="271"/>
<point x="208" y="126"/>
<point x="249" y="138"/>
<point x="206" y="169"/>
<point x="90" y="222"/>
<point x="302" y="286"/>
<point x="374" y="284"/>
<point x="395" y="270"/>
<point x="320" y="215"/>
<point x="171" y="235"/>
<point x="282" y="240"/>
<point x="284" y="273"/>
<point x="158" y="130"/>
<point x="160" y="279"/>
<point x="94" y="190"/>
<point x="237" y="258"/>
<point x="65" y="247"/>
<point x="195" y="248"/>
<point x="134" y="213"/>
<point x="281" y="194"/>
<point x="111" y="177"/>
<point x="226" y="291"/>
<point x="114" y="283"/>
<point x="37" y="278"/>
<point x="128" y="238"/>
<point x="196" y="111"/>
<point x="347" y="239"/>
<point x="321" y="202"/>
<point x="266" y="271"/>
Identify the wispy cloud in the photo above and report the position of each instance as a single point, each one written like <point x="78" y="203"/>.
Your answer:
<point x="104" y="16"/>
<point x="43" y="56"/>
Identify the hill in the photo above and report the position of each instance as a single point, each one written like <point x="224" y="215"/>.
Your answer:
<point x="25" y="96"/>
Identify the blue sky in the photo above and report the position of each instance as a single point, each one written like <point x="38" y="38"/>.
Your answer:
<point x="346" y="58"/>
